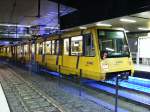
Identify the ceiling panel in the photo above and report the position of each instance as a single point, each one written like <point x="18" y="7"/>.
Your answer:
<point x="25" y="12"/>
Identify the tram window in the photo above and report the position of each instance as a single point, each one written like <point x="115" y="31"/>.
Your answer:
<point x="40" y="49"/>
<point x="76" y="45"/>
<point x="25" y="49"/>
<point x="43" y="48"/>
<point x="88" y="46"/>
<point x="33" y="48"/>
<point x="7" y="49"/>
<point x="57" y="46"/>
<point x="48" y="47"/>
<point x="18" y="50"/>
<point x="53" y="47"/>
<point x="113" y="43"/>
<point x="66" y="46"/>
<point x="37" y="48"/>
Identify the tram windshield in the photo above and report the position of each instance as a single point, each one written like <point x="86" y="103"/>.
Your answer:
<point x="113" y="44"/>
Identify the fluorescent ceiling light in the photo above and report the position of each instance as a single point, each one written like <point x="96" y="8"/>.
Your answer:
<point x="109" y="49"/>
<point x="14" y="25"/>
<point x="103" y="24"/>
<point x="127" y="20"/>
<point x="119" y="28"/>
<point x="48" y="27"/>
<point x="83" y="27"/>
<point x="140" y="28"/>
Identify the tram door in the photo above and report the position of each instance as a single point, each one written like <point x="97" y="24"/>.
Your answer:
<point x="89" y="61"/>
<point x="72" y="50"/>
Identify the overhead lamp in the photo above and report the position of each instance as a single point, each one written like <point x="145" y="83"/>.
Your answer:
<point x="23" y="26"/>
<point x="141" y="28"/>
<point x="103" y="24"/>
<point x="83" y="27"/>
<point x="48" y="27"/>
<point x="127" y="20"/>
<point x="14" y="25"/>
<point x="119" y="28"/>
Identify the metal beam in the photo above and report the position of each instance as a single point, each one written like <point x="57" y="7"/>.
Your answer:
<point x="13" y="39"/>
<point x="89" y="11"/>
<point x="139" y="32"/>
<point x="70" y="3"/>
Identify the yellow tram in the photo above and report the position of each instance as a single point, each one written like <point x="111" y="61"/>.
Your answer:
<point x="99" y="52"/>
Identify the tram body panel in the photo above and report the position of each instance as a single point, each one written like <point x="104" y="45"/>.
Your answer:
<point x="50" y="61"/>
<point x="113" y="65"/>
<point x="38" y="58"/>
<point x="90" y="67"/>
<point x="69" y="64"/>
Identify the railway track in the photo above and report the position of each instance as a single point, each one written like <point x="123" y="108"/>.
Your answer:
<point x="127" y="100"/>
<point x="31" y="99"/>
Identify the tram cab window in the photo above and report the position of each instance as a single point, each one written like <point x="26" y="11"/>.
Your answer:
<point x="66" y="46"/>
<point x="88" y="46"/>
<point x="113" y="43"/>
<point x="48" y="47"/>
<point x="77" y="45"/>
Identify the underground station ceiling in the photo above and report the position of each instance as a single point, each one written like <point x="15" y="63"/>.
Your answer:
<point x="30" y="13"/>
<point x="20" y="18"/>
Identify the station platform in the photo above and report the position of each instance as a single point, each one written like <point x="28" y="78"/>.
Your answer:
<point x="142" y="71"/>
<point x="3" y="102"/>
<point x="144" y="68"/>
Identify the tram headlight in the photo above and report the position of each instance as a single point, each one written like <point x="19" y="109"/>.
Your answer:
<point x="105" y="66"/>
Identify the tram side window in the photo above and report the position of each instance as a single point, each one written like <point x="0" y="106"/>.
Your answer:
<point x="66" y="46"/>
<point x="53" y="47"/>
<point x="43" y="48"/>
<point x="18" y="50"/>
<point x="48" y="47"/>
<point x="40" y="50"/>
<point x="88" y="46"/>
<point x="33" y="48"/>
<point x="57" y="46"/>
<point x="77" y="45"/>
<point x="25" y="49"/>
